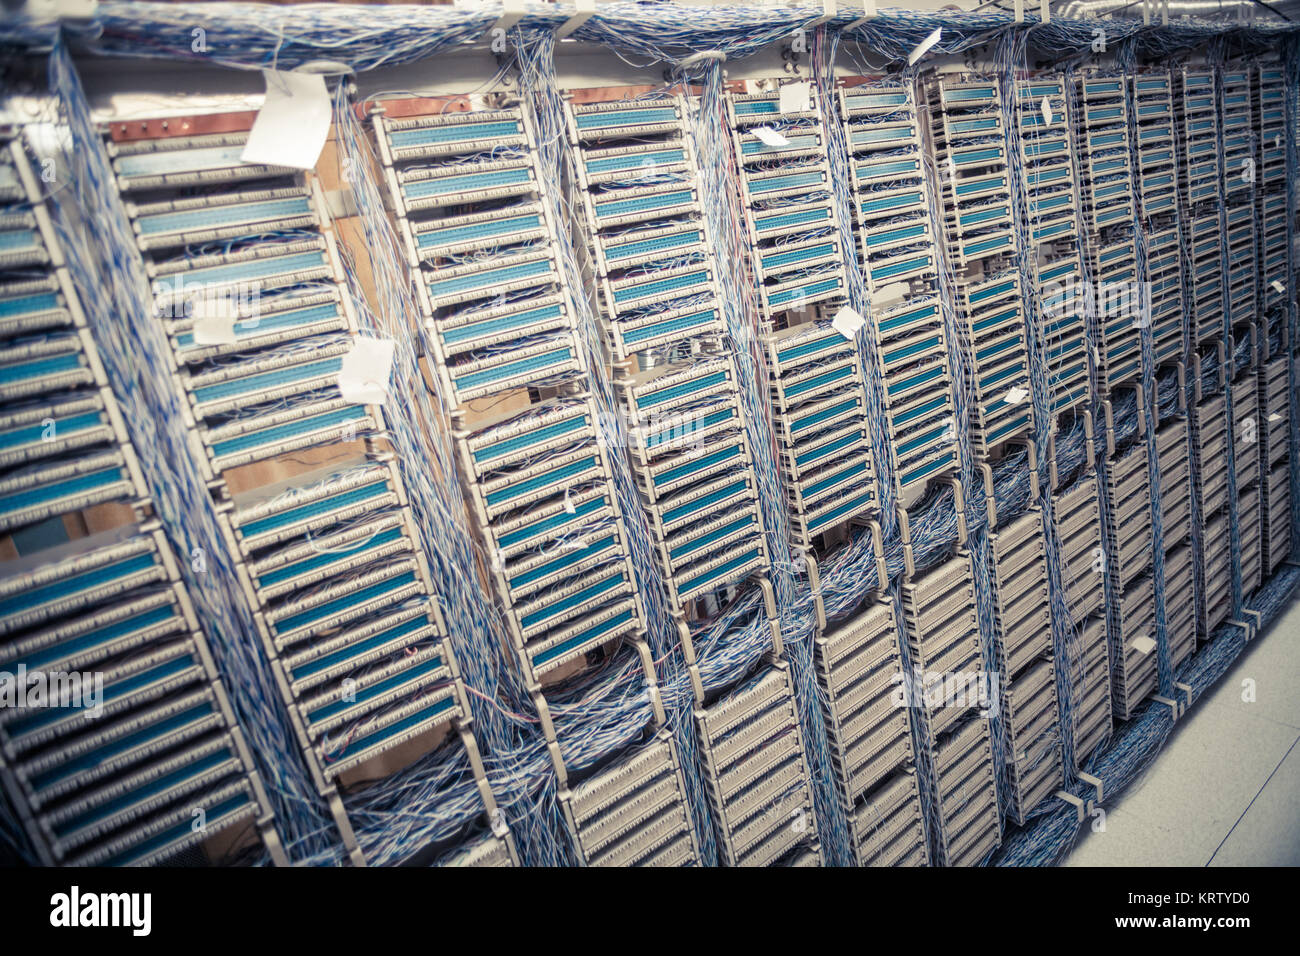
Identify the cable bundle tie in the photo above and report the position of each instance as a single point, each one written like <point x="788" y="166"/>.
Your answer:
<point x="905" y="536"/>
<point x="326" y="68"/>
<point x="869" y="13"/>
<point x="584" y="11"/>
<point x="1247" y="627"/>
<point x="828" y="13"/>
<point x="1176" y="707"/>
<point x="512" y="11"/>
<point x="65" y="10"/>
<point x="1257" y="624"/>
<point x="347" y="835"/>
<point x="1095" y="783"/>
<point x="1081" y="808"/>
<point x="1045" y="15"/>
<point x="704" y="56"/>
<point x="959" y="502"/>
<point x="878" y="547"/>
<point x="985" y="471"/>
<point x="1084" y="806"/>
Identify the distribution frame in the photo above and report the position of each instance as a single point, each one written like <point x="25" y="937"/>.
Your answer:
<point x="863" y="462"/>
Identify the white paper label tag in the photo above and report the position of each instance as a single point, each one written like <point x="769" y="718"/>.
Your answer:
<point x="569" y="506"/>
<point x="1278" y="287"/>
<point x="847" y="322"/>
<point x="795" y="97"/>
<point x="1047" y="111"/>
<point x="1143" y="645"/>
<point x="293" y="122"/>
<point x="770" y="136"/>
<point x="363" y="377"/>
<point x="1015" y="396"/>
<point x="499" y="825"/>
<point x="1275" y="417"/>
<point x="214" y="321"/>
<point x="923" y="47"/>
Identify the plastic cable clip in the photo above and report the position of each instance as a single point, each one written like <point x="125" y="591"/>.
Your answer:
<point x="924" y="46"/>
<point x="342" y="203"/>
<point x="702" y="57"/>
<point x="868" y="13"/>
<point x="1044" y="14"/>
<point x="1095" y="783"/>
<point x="828" y="13"/>
<point x="1257" y="623"/>
<point x="583" y="11"/>
<point x="1175" y="706"/>
<point x="1080" y="809"/>
<point x="512" y="11"/>
<point x="59" y="9"/>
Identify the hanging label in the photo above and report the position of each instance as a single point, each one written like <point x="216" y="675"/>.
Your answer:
<point x="1278" y="287"/>
<point x="1016" y="396"/>
<point x="363" y="377"/>
<point x="770" y="136"/>
<point x="795" y="97"/>
<point x="499" y="825"/>
<point x="214" y="321"/>
<point x="1047" y="111"/>
<point x="293" y="122"/>
<point x="1143" y="645"/>
<point x="923" y="47"/>
<point x="1275" y="417"/>
<point x="847" y="322"/>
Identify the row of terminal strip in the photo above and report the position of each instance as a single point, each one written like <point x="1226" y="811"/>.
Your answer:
<point x="122" y="738"/>
<point x="312" y="502"/>
<point x="308" y="492"/>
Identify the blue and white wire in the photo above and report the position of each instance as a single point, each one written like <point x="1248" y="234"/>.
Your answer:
<point x="418" y="431"/>
<point x="1292" y="116"/>
<point x="1234" y="529"/>
<point x="1164" y="664"/>
<point x="137" y="359"/>
<point x="1063" y="633"/>
<point x="837" y="149"/>
<point x="720" y="192"/>
<point x="1137" y="742"/>
<point x="535" y="51"/>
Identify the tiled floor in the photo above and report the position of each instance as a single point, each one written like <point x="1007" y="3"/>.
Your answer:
<point x="1225" y="791"/>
